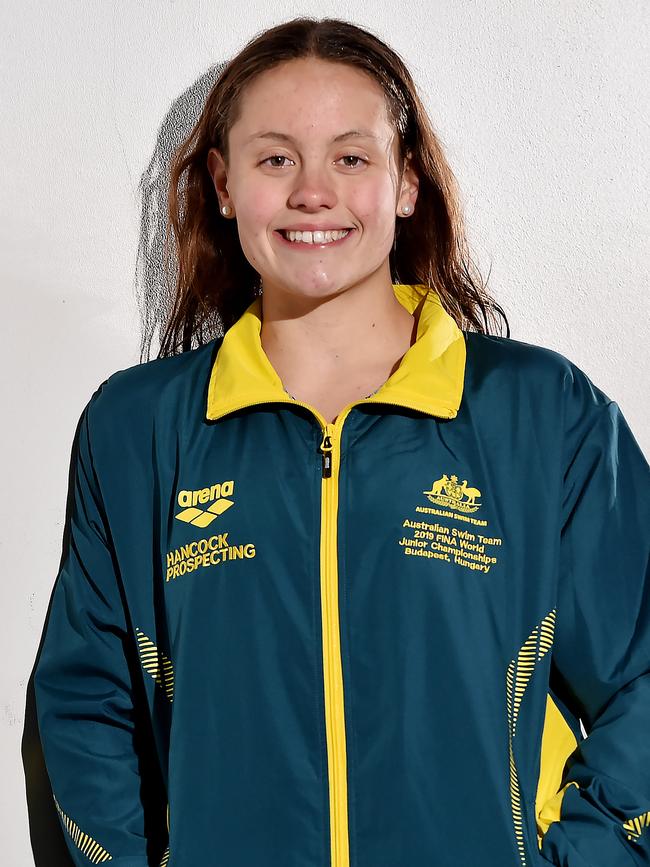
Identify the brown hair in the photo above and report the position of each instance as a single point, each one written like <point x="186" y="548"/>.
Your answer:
<point x="215" y="283"/>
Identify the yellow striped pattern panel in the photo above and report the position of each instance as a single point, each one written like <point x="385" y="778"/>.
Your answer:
<point x="156" y="663"/>
<point x="165" y="858"/>
<point x="520" y="670"/>
<point x="95" y="853"/>
<point x="635" y="827"/>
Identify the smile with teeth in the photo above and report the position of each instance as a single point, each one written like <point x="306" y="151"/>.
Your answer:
<point x="315" y="237"/>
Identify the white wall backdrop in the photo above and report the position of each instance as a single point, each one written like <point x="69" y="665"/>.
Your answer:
<point x="543" y="109"/>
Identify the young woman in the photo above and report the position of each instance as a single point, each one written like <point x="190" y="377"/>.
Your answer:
<point x="349" y="580"/>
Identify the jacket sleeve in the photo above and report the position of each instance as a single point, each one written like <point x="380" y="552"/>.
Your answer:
<point x="83" y="687"/>
<point x="600" y="817"/>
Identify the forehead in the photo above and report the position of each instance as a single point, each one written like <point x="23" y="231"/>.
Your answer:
<point x="309" y="97"/>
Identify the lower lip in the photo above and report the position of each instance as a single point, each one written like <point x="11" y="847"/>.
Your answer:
<point x="299" y="245"/>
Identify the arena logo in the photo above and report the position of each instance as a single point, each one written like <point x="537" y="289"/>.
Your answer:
<point x="217" y="495"/>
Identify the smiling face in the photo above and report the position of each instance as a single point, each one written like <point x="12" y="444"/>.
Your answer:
<point x="308" y="177"/>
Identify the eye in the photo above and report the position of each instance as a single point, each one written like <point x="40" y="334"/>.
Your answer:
<point x="283" y="157"/>
<point x="354" y="157"/>
<point x="274" y="157"/>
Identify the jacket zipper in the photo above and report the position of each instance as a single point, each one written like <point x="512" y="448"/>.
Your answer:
<point x="332" y="668"/>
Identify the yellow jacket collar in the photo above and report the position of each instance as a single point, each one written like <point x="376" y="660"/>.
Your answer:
<point x="429" y="378"/>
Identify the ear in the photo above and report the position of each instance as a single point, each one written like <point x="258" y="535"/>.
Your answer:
<point x="218" y="173"/>
<point x="410" y="182"/>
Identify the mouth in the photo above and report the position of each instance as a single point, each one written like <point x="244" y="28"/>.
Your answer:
<point x="311" y="245"/>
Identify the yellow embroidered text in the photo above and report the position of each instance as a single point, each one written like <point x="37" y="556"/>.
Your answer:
<point x="471" y="550"/>
<point x="205" y="552"/>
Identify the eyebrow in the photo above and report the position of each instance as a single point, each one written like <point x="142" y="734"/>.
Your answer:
<point x="281" y="136"/>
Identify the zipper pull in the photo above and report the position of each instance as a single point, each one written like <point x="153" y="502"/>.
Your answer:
<point x="326" y="450"/>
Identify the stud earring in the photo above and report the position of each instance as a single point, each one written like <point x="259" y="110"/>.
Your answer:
<point x="406" y="209"/>
<point x="226" y="210"/>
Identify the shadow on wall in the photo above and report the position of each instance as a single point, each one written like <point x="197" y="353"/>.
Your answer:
<point x="47" y="836"/>
<point x="154" y="293"/>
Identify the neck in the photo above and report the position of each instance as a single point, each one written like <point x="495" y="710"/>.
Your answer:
<point x="362" y="330"/>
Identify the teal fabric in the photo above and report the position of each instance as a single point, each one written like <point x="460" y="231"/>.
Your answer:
<point x="555" y="538"/>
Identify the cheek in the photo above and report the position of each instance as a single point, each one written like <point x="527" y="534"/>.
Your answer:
<point x="254" y="222"/>
<point x="257" y="202"/>
<point x="257" y="213"/>
<point x="373" y="205"/>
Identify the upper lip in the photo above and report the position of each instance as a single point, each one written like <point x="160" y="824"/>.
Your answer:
<point x="313" y="227"/>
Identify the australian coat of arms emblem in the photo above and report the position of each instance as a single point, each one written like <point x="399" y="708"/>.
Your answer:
<point x="448" y="491"/>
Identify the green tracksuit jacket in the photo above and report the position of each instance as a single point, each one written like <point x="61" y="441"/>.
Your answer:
<point x="278" y="641"/>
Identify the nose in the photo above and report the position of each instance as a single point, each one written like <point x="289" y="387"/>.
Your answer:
<point x="313" y="189"/>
